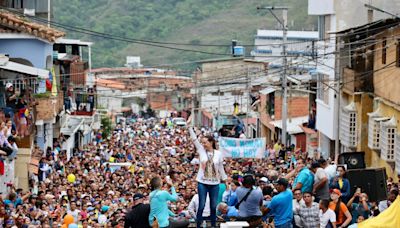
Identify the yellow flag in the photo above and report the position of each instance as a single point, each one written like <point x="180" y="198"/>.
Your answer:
<point x="389" y="218"/>
<point x="54" y="85"/>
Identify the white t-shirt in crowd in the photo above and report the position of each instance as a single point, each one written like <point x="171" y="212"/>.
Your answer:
<point x="330" y="171"/>
<point x="324" y="218"/>
<point x="102" y="219"/>
<point x="74" y="214"/>
<point x="194" y="206"/>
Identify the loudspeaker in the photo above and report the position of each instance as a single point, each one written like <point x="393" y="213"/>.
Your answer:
<point x="353" y="160"/>
<point x="371" y="181"/>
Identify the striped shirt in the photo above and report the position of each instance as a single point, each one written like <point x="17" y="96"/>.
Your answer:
<point x="309" y="215"/>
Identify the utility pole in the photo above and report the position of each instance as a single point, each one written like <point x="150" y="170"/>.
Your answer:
<point x="248" y="103"/>
<point x="194" y="100"/>
<point x="48" y="12"/>
<point x="283" y="23"/>
<point x="337" y="94"/>
<point x="219" y="104"/>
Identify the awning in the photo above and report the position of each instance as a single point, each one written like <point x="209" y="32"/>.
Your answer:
<point x="72" y="42"/>
<point x="308" y="131"/>
<point x="71" y="126"/>
<point x="24" y="69"/>
<point x="267" y="90"/>
<point x="293" y="127"/>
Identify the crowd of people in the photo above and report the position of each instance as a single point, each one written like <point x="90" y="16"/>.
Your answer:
<point x="148" y="173"/>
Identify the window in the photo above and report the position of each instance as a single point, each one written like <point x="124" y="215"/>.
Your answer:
<point x="348" y="126"/>
<point x="384" y="50"/>
<point x="398" y="53"/>
<point x="323" y="88"/>
<point x="388" y="140"/>
<point x="271" y="104"/>
<point x="374" y="129"/>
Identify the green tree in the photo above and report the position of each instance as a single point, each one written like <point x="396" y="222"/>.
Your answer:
<point x="106" y="126"/>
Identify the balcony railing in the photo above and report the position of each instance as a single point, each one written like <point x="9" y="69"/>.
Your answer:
<point x="84" y="103"/>
<point x="23" y="114"/>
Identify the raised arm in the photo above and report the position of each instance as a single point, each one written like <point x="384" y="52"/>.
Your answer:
<point x="200" y="149"/>
<point x="173" y="197"/>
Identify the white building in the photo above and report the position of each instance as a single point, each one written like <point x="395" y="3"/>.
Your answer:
<point x="268" y="45"/>
<point x="334" y="16"/>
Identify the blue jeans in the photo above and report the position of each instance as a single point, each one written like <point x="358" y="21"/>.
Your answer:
<point x="286" y="225"/>
<point x="212" y="190"/>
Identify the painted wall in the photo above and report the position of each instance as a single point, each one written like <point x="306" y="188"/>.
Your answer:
<point x="340" y="15"/>
<point x="389" y="111"/>
<point x="353" y="13"/>
<point x="34" y="50"/>
<point x="364" y="105"/>
<point x="386" y="81"/>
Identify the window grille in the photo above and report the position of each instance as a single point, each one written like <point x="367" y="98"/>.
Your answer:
<point x="388" y="139"/>
<point x="348" y="126"/>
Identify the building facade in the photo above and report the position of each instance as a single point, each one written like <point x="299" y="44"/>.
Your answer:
<point x="334" y="16"/>
<point x="370" y="112"/>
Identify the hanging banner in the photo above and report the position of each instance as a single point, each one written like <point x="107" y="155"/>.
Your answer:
<point x="242" y="148"/>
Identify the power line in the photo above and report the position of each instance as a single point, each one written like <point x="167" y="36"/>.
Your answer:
<point x="159" y="44"/>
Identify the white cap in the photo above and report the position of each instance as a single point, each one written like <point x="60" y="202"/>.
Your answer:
<point x="264" y="179"/>
<point x="8" y="85"/>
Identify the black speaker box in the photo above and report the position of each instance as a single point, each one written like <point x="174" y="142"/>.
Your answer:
<point x="371" y="181"/>
<point x="353" y="160"/>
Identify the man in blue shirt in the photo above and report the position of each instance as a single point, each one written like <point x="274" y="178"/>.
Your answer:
<point x="281" y="205"/>
<point x="227" y="212"/>
<point x="305" y="179"/>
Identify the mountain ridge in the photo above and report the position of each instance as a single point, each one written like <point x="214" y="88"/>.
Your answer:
<point x="179" y="21"/>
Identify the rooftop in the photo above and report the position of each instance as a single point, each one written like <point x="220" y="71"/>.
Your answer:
<point x="312" y="35"/>
<point x="11" y="23"/>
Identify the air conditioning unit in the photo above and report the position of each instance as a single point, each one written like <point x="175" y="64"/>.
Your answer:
<point x="29" y="12"/>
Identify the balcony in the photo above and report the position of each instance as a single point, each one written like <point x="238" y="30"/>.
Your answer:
<point x="48" y="106"/>
<point x="84" y="102"/>
<point x="354" y="81"/>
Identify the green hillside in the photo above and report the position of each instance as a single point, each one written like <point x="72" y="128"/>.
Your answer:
<point x="179" y="21"/>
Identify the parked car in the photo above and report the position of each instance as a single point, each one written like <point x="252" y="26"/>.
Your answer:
<point x="179" y="121"/>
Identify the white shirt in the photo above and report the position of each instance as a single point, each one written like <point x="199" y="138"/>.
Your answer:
<point x="330" y="171"/>
<point x="205" y="157"/>
<point x="383" y="205"/>
<point x="194" y="206"/>
<point x="195" y="161"/>
<point x="102" y="219"/>
<point x="324" y="218"/>
<point x="74" y="214"/>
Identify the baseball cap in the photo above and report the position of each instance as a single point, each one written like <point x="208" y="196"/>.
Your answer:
<point x="282" y="181"/>
<point x="264" y="179"/>
<point x="8" y="85"/>
<point x="336" y="191"/>
<point x="138" y="196"/>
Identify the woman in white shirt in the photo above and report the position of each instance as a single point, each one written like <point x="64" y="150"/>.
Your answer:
<point x="211" y="173"/>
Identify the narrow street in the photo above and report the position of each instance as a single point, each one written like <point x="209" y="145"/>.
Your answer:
<point x="187" y="113"/>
